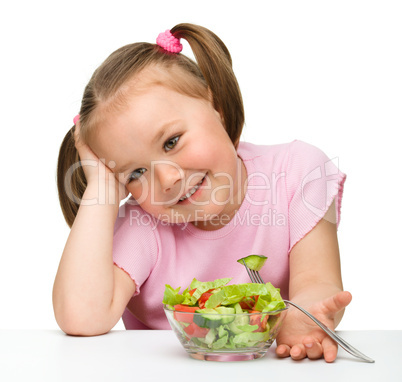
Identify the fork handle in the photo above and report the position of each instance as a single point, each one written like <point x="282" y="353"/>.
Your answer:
<point x="345" y="345"/>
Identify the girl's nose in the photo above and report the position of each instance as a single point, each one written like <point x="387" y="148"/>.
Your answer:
<point x="168" y="173"/>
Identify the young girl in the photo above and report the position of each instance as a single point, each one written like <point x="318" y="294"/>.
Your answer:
<point x="158" y="126"/>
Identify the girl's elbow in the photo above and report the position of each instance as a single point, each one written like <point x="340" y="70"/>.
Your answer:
<point x="77" y="325"/>
<point x="72" y="328"/>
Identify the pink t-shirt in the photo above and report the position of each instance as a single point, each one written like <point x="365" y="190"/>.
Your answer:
<point x="290" y="187"/>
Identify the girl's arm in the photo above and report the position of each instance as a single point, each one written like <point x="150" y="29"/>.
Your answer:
<point x="90" y="292"/>
<point x="315" y="284"/>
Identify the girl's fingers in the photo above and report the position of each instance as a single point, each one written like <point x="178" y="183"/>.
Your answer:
<point x="283" y="351"/>
<point x="298" y="352"/>
<point x="78" y="143"/>
<point x="310" y="348"/>
<point x="330" y="349"/>
<point x="314" y="349"/>
<point x="83" y="149"/>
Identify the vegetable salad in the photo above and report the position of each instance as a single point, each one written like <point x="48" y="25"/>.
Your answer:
<point x="215" y="315"/>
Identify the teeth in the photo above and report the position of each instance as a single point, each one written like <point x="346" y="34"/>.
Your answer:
<point x="191" y="192"/>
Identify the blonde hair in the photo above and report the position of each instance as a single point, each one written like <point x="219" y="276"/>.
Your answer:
<point x="211" y="77"/>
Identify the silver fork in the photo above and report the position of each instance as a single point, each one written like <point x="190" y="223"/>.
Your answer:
<point x="255" y="277"/>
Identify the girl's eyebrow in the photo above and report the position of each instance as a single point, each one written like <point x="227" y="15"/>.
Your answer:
<point x="121" y="170"/>
<point x="164" y="130"/>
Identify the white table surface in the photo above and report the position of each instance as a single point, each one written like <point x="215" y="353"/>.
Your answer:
<point x="145" y="355"/>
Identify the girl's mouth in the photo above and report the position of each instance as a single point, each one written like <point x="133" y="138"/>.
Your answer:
<point x="193" y="190"/>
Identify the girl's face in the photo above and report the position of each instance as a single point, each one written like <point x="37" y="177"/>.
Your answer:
<point x="174" y="156"/>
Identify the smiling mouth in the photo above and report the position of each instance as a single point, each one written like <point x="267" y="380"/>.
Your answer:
<point x="193" y="190"/>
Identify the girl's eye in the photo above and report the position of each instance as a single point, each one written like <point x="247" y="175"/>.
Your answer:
<point x="171" y="143"/>
<point x="136" y="174"/>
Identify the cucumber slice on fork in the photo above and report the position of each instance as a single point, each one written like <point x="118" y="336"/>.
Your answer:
<point x="253" y="262"/>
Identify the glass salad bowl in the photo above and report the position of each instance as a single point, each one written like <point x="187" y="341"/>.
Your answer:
<point x="225" y="334"/>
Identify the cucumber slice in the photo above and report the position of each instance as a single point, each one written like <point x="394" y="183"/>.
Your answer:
<point x="212" y="318"/>
<point x="254" y="262"/>
<point x="239" y="320"/>
<point x="209" y="318"/>
<point x="226" y="310"/>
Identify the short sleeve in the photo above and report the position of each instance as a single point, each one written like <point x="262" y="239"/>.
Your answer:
<point x="313" y="182"/>
<point x="135" y="244"/>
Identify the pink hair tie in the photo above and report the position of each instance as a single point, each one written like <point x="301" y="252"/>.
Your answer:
<point x="168" y="42"/>
<point x="76" y="119"/>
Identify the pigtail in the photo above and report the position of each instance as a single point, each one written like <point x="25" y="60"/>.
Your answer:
<point x="71" y="181"/>
<point x="215" y="63"/>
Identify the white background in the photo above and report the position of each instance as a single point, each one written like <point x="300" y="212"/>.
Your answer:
<point x="326" y="72"/>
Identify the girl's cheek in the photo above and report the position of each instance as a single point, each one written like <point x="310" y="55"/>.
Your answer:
<point x="140" y="192"/>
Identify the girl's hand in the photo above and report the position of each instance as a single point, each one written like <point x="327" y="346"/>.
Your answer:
<point x="300" y="337"/>
<point x="95" y="170"/>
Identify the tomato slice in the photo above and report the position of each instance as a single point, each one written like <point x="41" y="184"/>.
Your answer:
<point x="186" y="316"/>
<point x="203" y="299"/>
<point x="256" y="320"/>
<point x="193" y="330"/>
<point x="249" y="302"/>
<point x="246" y="305"/>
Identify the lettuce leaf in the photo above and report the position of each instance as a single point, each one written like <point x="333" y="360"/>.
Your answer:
<point x="235" y="293"/>
<point x="172" y="296"/>
<point x="203" y="286"/>
<point x="215" y="300"/>
<point x="270" y="301"/>
<point x="269" y="297"/>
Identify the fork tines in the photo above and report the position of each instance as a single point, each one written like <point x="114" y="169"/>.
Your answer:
<point x="254" y="276"/>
